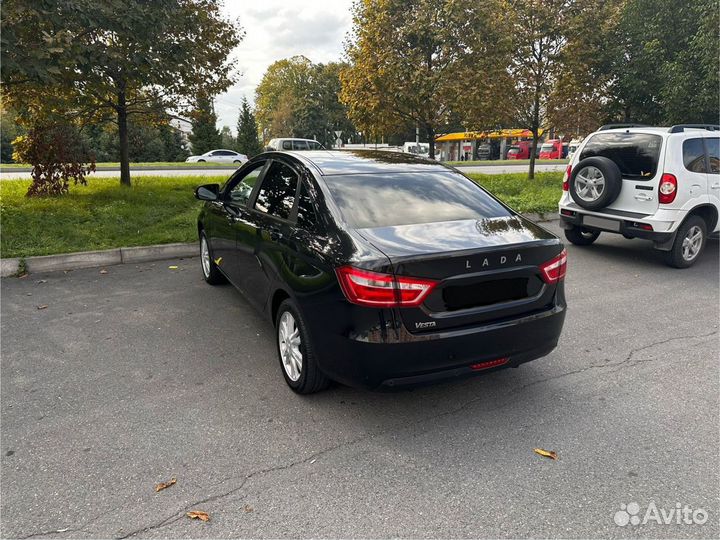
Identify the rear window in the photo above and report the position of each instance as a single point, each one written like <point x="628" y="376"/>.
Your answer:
<point x="547" y="148"/>
<point x="384" y="200"/>
<point x="636" y="154"/>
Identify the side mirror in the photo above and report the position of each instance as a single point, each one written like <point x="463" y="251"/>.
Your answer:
<point x="208" y="192"/>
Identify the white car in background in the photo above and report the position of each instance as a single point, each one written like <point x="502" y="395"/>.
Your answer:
<point x="219" y="156"/>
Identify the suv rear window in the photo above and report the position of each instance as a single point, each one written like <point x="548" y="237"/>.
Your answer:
<point x="636" y="154"/>
<point x="388" y="199"/>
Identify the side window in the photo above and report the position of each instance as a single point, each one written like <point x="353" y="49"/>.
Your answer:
<point x="287" y="145"/>
<point x="300" y="145"/>
<point x="240" y="193"/>
<point x="314" y="145"/>
<point x="713" y="151"/>
<point x="306" y="216"/>
<point x="694" y="155"/>
<point x="277" y="192"/>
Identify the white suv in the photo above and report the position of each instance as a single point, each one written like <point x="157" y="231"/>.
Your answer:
<point x="657" y="183"/>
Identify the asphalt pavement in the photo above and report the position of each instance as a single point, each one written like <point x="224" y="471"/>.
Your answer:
<point x="144" y="373"/>
<point x="9" y="174"/>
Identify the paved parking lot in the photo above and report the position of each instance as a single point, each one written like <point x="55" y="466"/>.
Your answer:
<point x="142" y="374"/>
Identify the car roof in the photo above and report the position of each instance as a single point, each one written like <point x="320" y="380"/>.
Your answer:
<point x="332" y="162"/>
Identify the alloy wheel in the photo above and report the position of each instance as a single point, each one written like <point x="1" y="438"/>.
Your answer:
<point x="289" y="342"/>
<point x="205" y="256"/>
<point x="590" y="184"/>
<point x="692" y="243"/>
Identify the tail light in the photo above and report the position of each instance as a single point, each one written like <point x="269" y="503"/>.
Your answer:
<point x="374" y="289"/>
<point x="554" y="270"/>
<point x="566" y="178"/>
<point x="667" y="189"/>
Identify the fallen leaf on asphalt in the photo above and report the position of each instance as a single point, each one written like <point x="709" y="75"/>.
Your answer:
<point x="198" y="514"/>
<point x="164" y="485"/>
<point x="248" y="508"/>
<point x="172" y="267"/>
<point x="42" y="306"/>
<point x="103" y="271"/>
<point x="23" y="276"/>
<point x="218" y="261"/>
<point x="546" y="453"/>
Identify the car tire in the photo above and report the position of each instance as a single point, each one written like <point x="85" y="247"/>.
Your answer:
<point x="237" y="161"/>
<point x="211" y="272"/>
<point x="201" y="161"/>
<point x="580" y="236"/>
<point x="302" y="373"/>
<point x="595" y="183"/>
<point x="689" y="243"/>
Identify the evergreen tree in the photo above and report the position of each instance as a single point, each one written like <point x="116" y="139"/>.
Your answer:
<point x="247" y="137"/>
<point x="205" y="135"/>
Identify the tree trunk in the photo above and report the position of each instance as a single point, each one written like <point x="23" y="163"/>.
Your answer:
<point x="430" y="132"/>
<point x="534" y="128"/>
<point x="123" y="132"/>
<point x="533" y="150"/>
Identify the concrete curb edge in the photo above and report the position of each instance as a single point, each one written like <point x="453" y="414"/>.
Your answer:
<point x="91" y="259"/>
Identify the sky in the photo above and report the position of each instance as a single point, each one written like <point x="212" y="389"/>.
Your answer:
<point x="277" y="29"/>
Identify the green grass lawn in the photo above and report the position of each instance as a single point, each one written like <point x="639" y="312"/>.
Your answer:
<point x="116" y="165"/>
<point x="161" y="210"/>
<point x="102" y="215"/>
<point x="540" y="195"/>
<point x="506" y="162"/>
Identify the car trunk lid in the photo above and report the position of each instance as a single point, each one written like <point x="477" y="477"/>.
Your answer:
<point x="486" y="269"/>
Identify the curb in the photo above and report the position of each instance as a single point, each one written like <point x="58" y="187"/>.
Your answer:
<point x="542" y="217"/>
<point x="90" y="259"/>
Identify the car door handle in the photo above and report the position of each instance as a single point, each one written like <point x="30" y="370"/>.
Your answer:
<point x="643" y="197"/>
<point x="275" y="234"/>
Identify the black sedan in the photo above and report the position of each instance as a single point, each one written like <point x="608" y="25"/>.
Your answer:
<point x="380" y="270"/>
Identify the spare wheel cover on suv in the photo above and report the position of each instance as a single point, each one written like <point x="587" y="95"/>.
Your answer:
<point x="595" y="182"/>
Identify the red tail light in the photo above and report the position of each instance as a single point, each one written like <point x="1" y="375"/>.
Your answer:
<point x="566" y="178"/>
<point x="367" y="288"/>
<point x="554" y="270"/>
<point x="667" y="189"/>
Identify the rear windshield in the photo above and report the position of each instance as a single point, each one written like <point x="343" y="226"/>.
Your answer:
<point x="388" y="199"/>
<point x="546" y="147"/>
<point x="636" y="154"/>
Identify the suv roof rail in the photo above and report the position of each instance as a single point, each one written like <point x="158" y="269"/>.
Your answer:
<point x="616" y="126"/>
<point x="679" y="128"/>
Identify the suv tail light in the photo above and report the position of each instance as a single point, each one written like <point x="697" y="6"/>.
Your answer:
<point x="667" y="189"/>
<point x="374" y="289"/>
<point x="554" y="270"/>
<point x="566" y="178"/>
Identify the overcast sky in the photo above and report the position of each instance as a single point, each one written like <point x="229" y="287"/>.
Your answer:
<point x="280" y="29"/>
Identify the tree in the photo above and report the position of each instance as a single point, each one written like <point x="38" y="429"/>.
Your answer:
<point x="116" y="57"/>
<point x="666" y="63"/>
<point x="226" y="138"/>
<point x="58" y="154"/>
<point x="205" y="136"/>
<point x="247" y="131"/>
<point x="297" y="98"/>
<point x="412" y="63"/>
<point x="537" y="28"/>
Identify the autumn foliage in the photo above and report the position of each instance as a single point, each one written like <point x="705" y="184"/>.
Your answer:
<point x="58" y="156"/>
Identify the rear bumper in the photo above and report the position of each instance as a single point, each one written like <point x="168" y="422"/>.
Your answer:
<point x="627" y="227"/>
<point x="402" y="359"/>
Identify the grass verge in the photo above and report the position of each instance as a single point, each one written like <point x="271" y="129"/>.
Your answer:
<point x="116" y="165"/>
<point x="540" y="195"/>
<point x="101" y="215"/>
<point x="162" y="210"/>
<point x="506" y="162"/>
